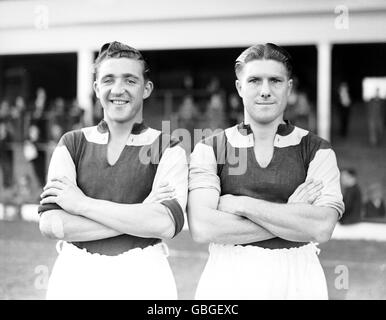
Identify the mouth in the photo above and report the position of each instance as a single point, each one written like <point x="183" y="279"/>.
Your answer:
<point x="119" y="102"/>
<point x="265" y="103"/>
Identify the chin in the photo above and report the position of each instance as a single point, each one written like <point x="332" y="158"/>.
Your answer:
<point x="263" y="119"/>
<point x="122" y="120"/>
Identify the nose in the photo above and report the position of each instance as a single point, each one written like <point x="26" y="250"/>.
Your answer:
<point x="118" y="87"/>
<point x="265" y="91"/>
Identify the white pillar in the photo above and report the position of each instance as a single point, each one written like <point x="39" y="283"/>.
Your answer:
<point x="84" y="82"/>
<point x="324" y="90"/>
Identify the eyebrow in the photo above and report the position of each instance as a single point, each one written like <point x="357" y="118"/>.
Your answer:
<point x="124" y="75"/>
<point x="269" y="77"/>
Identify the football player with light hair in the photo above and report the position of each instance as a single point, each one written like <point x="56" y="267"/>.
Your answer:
<point x="263" y="193"/>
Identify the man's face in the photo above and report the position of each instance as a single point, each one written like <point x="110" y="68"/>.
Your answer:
<point x="264" y="87"/>
<point x="121" y="88"/>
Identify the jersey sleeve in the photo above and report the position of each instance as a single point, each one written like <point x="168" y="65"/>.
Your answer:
<point x="173" y="168"/>
<point x="324" y="167"/>
<point x="61" y="165"/>
<point x="203" y="168"/>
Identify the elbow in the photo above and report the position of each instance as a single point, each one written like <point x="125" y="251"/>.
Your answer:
<point x="323" y="233"/>
<point x="197" y="232"/>
<point x="168" y="232"/>
<point x="45" y="226"/>
<point x="198" y="237"/>
<point x="321" y="237"/>
<point x="168" y="228"/>
<point x="199" y="225"/>
<point x="51" y="226"/>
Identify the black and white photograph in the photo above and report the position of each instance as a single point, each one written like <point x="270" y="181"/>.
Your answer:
<point x="208" y="152"/>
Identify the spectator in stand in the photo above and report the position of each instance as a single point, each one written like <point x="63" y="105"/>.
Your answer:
<point x="299" y="110"/>
<point x="215" y="110"/>
<point x="5" y="115"/>
<point x="75" y="116"/>
<point x="352" y="197"/>
<point x="344" y="105"/>
<point x="18" y="119"/>
<point x="6" y="139"/>
<point x="35" y="154"/>
<point x="58" y="114"/>
<point x="6" y="155"/>
<point x="21" y="193"/>
<point x="38" y="114"/>
<point x="375" y="117"/>
<point x="188" y="118"/>
<point x="4" y="110"/>
<point x="236" y="112"/>
<point x="188" y="83"/>
<point x="215" y="113"/>
<point x="375" y="205"/>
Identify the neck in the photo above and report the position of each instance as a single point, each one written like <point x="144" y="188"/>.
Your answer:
<point x="122" y="129"/>
<point x="263" y="131"/>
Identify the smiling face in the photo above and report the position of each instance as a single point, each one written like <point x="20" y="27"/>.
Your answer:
<point x="121" y="89"/>
<point x="264" y="88"/>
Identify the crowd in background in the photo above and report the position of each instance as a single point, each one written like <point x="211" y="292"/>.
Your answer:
<point x="375" y="114"/>
<point x="361" y="206"/>
<point x="29" y="130"/>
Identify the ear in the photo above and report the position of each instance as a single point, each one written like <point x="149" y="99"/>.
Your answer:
<point x="290" y="86"/>
<point x="96" y="88"/>
<point x="238" y="87"/>
<point x="148" y="89"/>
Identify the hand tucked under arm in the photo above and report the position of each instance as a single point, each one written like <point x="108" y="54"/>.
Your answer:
<point x="208" y="224"/>
<point x="298" y="220"/>
<point x="61" y="225"/>
<point x="294" y="222"/>
<point x="143" y="220"/>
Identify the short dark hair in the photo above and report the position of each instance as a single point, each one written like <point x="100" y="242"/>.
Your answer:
<point x="117" y="49"/>
<point x="268" y="51"/>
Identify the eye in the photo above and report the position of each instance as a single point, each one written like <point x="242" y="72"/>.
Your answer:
<point x="276" y="80"/>
<point x="253" y="80"/>
<point x="131" y="81"/>
<point x="107" y="80"/>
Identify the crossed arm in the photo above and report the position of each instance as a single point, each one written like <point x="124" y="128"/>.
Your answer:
<point x="241" y="219"/>
<point x="309" y="215"/>
<point x="301" y="222"/>
<point x="83" y="218"/>
<point x="208" y="224"/>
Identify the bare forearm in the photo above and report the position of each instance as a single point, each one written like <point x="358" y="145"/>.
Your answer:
<point x="210" y="225"/>
<point x="294" y="222"/>
<point x="143" y="220"/>
<point x="58" y="224"/>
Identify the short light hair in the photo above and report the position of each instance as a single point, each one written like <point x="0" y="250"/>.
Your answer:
<point x="117" y="49"/>
<point x="268" y="51"/>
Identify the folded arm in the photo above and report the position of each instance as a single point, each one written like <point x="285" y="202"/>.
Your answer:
<point x="300" y="220"/>
<point x="207" y="224"/>
<point x="292" y="221"/>
<point x="60" y="225"/>
<point x="56" y="223"/>
<point x="148" y="219"/>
